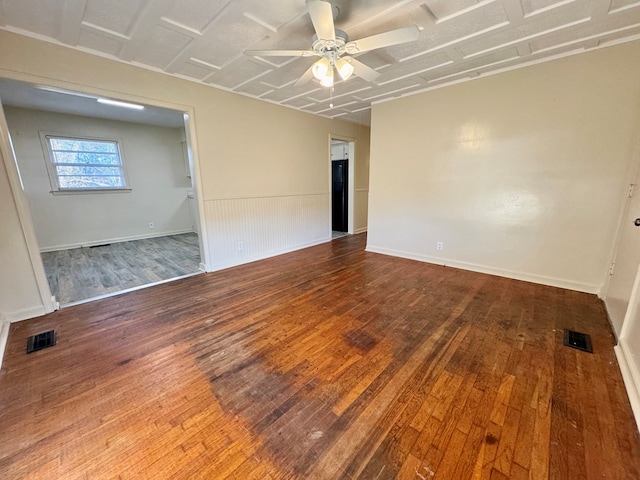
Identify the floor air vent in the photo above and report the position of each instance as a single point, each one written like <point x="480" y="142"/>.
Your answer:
<point x="578" y="340"/>
<point x="41" y="340"/>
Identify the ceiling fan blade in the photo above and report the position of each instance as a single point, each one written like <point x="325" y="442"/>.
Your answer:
<point x="321" y="14"/>
<point x="393" y="37"/>
<point x="280" y="53"/>
<point x="306" y="76"/>
<point x="363" y="71"/>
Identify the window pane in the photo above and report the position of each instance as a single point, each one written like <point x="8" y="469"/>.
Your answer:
<point x="83" y="145"/>
<point x="85" y="170"/>
<point x="89" y="182"/>
<point x="84" y="158"/>
<point x="86" y="164"/>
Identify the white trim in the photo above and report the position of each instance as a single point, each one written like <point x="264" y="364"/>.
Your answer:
<point x="633" y="177"/>
<point x="630" y="373"/>
<point x="24" y="215"/>
<point x="54" y="180"/>
<point x="273" y="253"/>
<point x="25" y="314"/>
<point x="606" y="310"/>
<point x="196" y="186"/>
<point x="90" y="191"/>
<point x="360" y="230"/>
<point x="527" y="277"/>
<point x="70" y="246"/>
<point x="625" y="362"/>
<point x="4" y="336"/>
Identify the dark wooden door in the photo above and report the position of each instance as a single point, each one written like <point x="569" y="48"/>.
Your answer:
<point x="339" y="196"/>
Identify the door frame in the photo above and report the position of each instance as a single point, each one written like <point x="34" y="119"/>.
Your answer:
<point x="625" y="355"/>
<point x="351" y="181"/>
<point x="633" y="180"/>
<point x="24" y="212"/>
<point x="24" y="215"/>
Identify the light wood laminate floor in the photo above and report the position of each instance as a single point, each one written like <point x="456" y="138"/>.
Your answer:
<point x="326" y="363"/>
<point x="81" y="273"/>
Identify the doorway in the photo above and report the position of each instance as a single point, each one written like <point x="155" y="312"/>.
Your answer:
<point x="112" y="233"/>
<point x="626" y="258"/>
<point x="339" y="196"/>
<point x="342" y="181"/>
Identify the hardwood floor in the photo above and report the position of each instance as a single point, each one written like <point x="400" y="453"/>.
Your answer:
<point x="88" y="272"/>
<point x="326" y="363"/>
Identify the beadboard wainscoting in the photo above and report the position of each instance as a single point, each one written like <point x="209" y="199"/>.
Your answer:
<point x="243" y="230"/>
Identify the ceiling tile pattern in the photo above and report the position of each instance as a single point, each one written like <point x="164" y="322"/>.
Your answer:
<point x="205" y="40"/>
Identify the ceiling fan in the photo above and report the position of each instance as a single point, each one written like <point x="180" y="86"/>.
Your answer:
<point x="334" y="48"/>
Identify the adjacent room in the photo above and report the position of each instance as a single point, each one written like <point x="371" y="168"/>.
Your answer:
<point x="413" y="236"/>
<point x="111" y="197"/>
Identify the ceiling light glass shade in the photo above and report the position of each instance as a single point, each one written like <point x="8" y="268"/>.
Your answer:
<point x="320" y="68"/>
<point x="327" y="81"/>
<point x="345" y="69"/>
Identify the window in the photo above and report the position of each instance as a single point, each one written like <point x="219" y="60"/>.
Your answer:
<point x="80" y="164"/>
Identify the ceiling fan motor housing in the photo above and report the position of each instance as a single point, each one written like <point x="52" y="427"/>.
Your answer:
<point x="328" y="48"/>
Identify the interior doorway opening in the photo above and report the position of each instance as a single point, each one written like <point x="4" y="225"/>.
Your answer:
<point x="96" y="242"/>
<point x="342" y="182"/>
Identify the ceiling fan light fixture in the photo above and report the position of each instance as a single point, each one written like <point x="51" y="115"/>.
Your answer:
<point x="321" y="69"/>
<point x="345" y="69"/>
<point x="327" y="81"/>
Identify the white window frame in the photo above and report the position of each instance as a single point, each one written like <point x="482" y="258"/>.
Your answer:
<point x="53" y="173"/>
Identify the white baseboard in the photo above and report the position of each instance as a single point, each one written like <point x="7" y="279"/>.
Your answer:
<point x="270" y="254"/>
<point x="608" y="313"/>
<point x="632" y="387"/>
<point x="526" y="277"/>
<point x="25" y="314"/>
<point x="4" y="336"/>
<point x="360" y="230"/>
<point x="113" y="240"/>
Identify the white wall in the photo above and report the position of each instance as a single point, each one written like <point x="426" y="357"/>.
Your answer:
<point x="339" y="150"/>
<point x="252" y="157"/>
<point x="155" y="169"/>
<point x="521" y="174"/>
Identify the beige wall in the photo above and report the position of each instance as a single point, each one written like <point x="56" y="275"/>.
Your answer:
<point x="521" y="174"/>
<point x="254" y="157"/>
<point x="155" y="169"/>
<point x="362" y="182"/>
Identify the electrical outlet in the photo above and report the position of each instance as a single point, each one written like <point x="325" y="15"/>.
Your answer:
<point x="439" y="246"/>
<point x="240" y="246"/>
<point x="151" y="225"/>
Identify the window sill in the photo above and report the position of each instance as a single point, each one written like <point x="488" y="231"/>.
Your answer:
<point x="90" y="191"/>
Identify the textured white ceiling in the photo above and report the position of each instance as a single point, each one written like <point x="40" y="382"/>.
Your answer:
<point x="204" y="40"/>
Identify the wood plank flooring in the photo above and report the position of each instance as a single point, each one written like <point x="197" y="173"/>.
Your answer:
<point x="326" y="363"/>
<point x="88" y="272"/>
